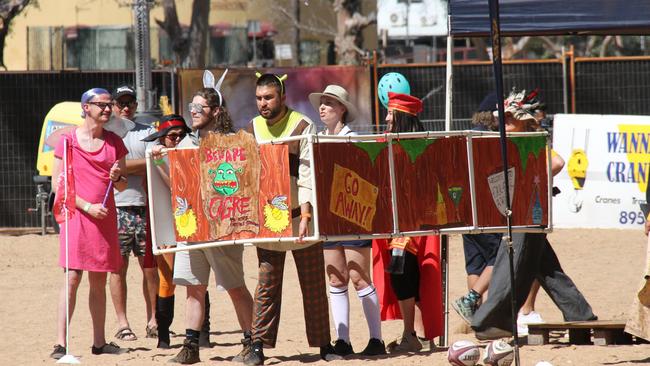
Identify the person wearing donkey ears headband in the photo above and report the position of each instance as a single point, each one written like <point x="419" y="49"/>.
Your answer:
<point x="403" y="264"/>
<point x="347" y="260"/>
<point x="277" y="120"/>
<point x="192" y="268"/>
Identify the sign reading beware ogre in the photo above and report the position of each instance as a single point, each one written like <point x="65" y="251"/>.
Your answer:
<point x="230" y="171"/>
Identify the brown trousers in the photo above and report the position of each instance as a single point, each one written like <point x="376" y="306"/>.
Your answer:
<point x="268" y="295"/>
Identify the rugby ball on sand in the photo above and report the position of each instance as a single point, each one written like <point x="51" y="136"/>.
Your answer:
<point x="498" y="353"/>
<point x="463" y="353"/>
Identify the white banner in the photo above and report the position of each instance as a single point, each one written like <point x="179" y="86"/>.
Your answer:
<point x="607" y="166"/>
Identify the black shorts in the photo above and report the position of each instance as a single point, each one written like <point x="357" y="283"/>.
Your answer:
<point x="407" y="284"/>
<point x="347" y="244"/>
<point x="480" y="251"/>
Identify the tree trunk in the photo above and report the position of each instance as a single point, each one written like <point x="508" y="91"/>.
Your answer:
<point x="349" y="25"/>
<point x="8" y="11"/>
<point x="189" y="49"/>
<point x="198" y="37"/>
<point x="295" y="33"/>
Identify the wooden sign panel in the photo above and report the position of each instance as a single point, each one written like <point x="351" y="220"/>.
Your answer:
<point x="230" y="179"/>
<point x="432" y="183"/>
<point x="353" y="188"/>
<point x="529" y="181"/>
<point x="230" y="188"/>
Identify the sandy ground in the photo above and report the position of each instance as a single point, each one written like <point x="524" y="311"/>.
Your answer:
<point x="605" y="264"/>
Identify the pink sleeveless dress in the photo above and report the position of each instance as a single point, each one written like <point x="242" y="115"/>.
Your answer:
<point x="93" y="244"/>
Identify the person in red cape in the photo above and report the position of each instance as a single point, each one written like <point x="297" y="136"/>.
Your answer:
<point x="406" y="271"/>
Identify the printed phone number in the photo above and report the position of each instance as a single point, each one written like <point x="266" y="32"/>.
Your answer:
<point x="631" y="217"/>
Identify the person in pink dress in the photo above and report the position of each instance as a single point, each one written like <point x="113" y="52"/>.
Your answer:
<point x="97" y="160"/>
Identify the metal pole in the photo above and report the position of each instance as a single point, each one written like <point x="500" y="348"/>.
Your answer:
<point x="495" y="28"/>
<point x="444" y="264"/>
<point x="449" y="76"/>
<point x="565" y="91"/>
<point x="142" y="55"/>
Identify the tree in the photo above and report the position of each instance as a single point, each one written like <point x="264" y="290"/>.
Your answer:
<point x="545" y="47"/>
<point x="189" y="46"/>
<point x="347" y="32"/>
<point x="9" y="9"/>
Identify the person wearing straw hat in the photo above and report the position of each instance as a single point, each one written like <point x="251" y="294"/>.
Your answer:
<point x="347" y="260"/>
<point x="277" y="120"/>
<point x="97" y="160"/>
<point x="192" y="268"/>
<point x="407" y="269"/>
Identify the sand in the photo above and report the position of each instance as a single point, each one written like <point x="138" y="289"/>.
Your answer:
<point x="606" y="265"/>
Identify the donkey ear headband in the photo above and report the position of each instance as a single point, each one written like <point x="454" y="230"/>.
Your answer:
<point x="208" y="82"/>
<point x="281" y="79"/>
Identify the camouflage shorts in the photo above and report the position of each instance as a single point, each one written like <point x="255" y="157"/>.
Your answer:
<point x="132" y="230"/>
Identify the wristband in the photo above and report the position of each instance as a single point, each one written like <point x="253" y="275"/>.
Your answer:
<point x="306" y="215"/>
<point x="159" y="162"/>
<point x="87" y="206"/>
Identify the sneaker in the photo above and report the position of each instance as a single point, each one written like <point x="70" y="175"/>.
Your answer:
<point x="531" y="318"/>
<point x="255" y="355"/>
<point x="58" y="352"/>
<point x="188" y="355"/>
<point x="109" y="349"/>
<point x="522" y="330"/>
<point x="328" y="353"/>
<point x="246" y="343"/>
<point x="375" y="347"/>
<point x="405" y="344"/>
<point x="343" y="348"/>
<point x="465" y="308"/>
<point x="524" y="319"/>
<point x="492" y="333"/>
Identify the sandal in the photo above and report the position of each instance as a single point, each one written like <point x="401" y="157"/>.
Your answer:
<point x="152" y="332"/>
<point x="126" y="334"/>
<point x="109" y="349"/>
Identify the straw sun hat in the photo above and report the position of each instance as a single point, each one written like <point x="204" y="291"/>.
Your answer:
<point x="339" y="94"/>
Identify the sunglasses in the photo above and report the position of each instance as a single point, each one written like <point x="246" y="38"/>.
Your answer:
<point x="101" y="105"/>
<point x="121" y="105"/>
<point x="175" y="136"/>
<point x="197" y="107"/>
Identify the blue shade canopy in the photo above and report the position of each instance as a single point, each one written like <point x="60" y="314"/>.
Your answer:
<point x="470" y="18"/>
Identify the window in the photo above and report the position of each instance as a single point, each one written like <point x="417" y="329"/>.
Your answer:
<point x="100" y="48"/>
<point x="310" y="53"/>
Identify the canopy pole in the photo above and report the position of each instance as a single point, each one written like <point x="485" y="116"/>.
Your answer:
<point x="449" y="75"/>
<point x="495" y="31"/>
<point x="444" y="239"/>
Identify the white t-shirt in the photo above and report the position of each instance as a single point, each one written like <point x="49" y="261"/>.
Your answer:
<point x="344" y="132"/>
<point x="134" y="195"/>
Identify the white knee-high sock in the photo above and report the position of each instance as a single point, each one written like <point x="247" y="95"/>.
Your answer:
<point x="340" y="304"/>
<point x="370" y="303"/>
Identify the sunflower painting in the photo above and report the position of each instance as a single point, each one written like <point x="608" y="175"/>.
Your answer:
<point x="276" y="214"/>
<point x="184" y="218"/>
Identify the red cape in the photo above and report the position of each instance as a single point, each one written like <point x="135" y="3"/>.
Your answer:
<point x="430" y="284"/>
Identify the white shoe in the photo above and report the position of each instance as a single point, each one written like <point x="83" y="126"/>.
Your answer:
<point x="524" y="319"/>
<point x="522" y="330"/>
<point x="531" y="318"/>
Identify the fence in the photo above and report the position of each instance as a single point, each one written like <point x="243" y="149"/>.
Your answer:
<point x="25" y="99"/>
<point x="600" y="86"/>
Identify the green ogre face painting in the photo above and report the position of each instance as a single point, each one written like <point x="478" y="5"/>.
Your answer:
<point x="225" y="180"/>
